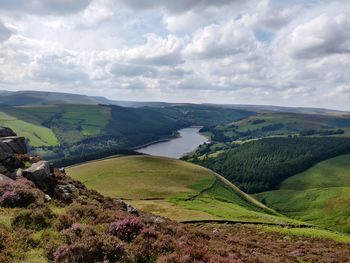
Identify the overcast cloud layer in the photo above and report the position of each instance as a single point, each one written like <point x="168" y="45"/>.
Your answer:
<point x="293" y="53"/>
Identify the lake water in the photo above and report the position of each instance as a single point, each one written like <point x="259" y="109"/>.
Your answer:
<point x="189" y="140"/>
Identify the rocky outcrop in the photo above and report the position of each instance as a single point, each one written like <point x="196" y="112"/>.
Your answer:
<point x="39" y="173"/>
<point x="66" y="192"/>
<point x="6" y="132"/>
<point x="4" y="178"/>
<point x="11" y="144"/>
<point x="3" y="169"/>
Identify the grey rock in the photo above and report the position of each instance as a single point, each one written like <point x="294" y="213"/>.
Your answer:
<point x="4" y="178"/>
<point x="39" y="173"/>
<point x="3" y="169"/>
<point x="126" y="207"/>
<point x="16" y="144"/>
<point x="62" y="170"/>
<point x="66" y="192"/>
<point x="12" y="145"/>
<point x="6" y="132"/>
<point x="19" y="172"/>
<point x="155" y="219"/>
<point x="47" y="198"/>
<point x="132" y="210"/>
<point x="16" y="174"/>
<point x="5" y="147"/>
<point x="122" y="205"/>
<point x="3" y="155"/>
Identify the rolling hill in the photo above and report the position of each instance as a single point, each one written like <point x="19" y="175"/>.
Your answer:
<point x="21" y="98"/>
<point x="174" y="189"/>
<point x="67" y="130"/>
<point x="320" y="195"/>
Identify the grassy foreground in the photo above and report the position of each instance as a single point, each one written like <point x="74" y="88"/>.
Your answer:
<point x="320" y="195"/>
<point x="172" y="188"/>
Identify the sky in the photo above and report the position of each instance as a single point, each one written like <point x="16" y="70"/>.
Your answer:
<point x="288" y="53"/>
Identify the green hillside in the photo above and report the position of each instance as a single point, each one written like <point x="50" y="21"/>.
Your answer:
<point x="36" y="134"/>
<point x="281" y="124"/>
<point x="69" y="130"/>
<point x="261" y="165"/>
<point x="172" y="188"/>
<point x="320" y="195"/>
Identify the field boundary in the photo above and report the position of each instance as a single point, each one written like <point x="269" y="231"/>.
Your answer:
<point x="232" y="222"/>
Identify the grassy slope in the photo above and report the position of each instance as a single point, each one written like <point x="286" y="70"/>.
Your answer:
<point x="91" y="118"/>
<point x="320" y="195"/>
<point x="69" y="123"/>
<point x="36" y="134"/>
<point x="179" y="190"/>
<point x="294" y="122"/>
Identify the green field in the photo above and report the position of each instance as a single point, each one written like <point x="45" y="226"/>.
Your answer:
<point x="91" y="119"/>
<point x="293" y="121"/>
<point x="172" y="188"/>
<point x="67" y="123"/>
<point x="320" y="195"/>
<point x="36" y="134"/>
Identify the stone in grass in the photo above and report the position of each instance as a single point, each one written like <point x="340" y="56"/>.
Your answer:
<point x="66" y="192"/>
<point x="39" y="173"/>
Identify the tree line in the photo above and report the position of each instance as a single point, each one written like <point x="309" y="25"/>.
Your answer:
<point x="261" y="165"/>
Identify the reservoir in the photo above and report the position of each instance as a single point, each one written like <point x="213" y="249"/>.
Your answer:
<point x="188" y="141"/>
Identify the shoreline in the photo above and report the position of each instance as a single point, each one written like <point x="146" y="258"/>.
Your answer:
<point x="166" y="139"/>
<point x="151" y="143"/>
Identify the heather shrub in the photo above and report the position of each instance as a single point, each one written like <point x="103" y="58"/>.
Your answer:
<point x="150" y="243"/>
<point x="19" y="194"/>
<point x="36" y="219"/>
<point x="84" y="244"/>
<point x="187" y="255"/>
<point x="91" y="214"/>
<point x="10" y="198"/>
<point x="64" y="221"/>
<point x="126" y="229"/>
<point x="15" y="244"/>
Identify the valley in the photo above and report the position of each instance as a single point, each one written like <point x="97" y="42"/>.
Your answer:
<point x="271" y="172"/>
<point x="180" y="131"/>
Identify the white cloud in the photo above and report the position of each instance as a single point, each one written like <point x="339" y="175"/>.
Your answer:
<point x="156" y="51"/>
<point x="219" y="40"/>
<point x="322" y="36"/>
<point x="273" y="52"/>
<point x="5" y="32"/>
<point x="99" y="11"/>
<point x="272" y="16"/>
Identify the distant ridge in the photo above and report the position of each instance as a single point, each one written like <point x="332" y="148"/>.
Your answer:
<point x="23" y="98"/>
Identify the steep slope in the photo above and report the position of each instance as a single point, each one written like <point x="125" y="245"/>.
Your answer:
<point x="166" y="186"/>
<point x="320" y="195"/>
<point x="261" y="165"/>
